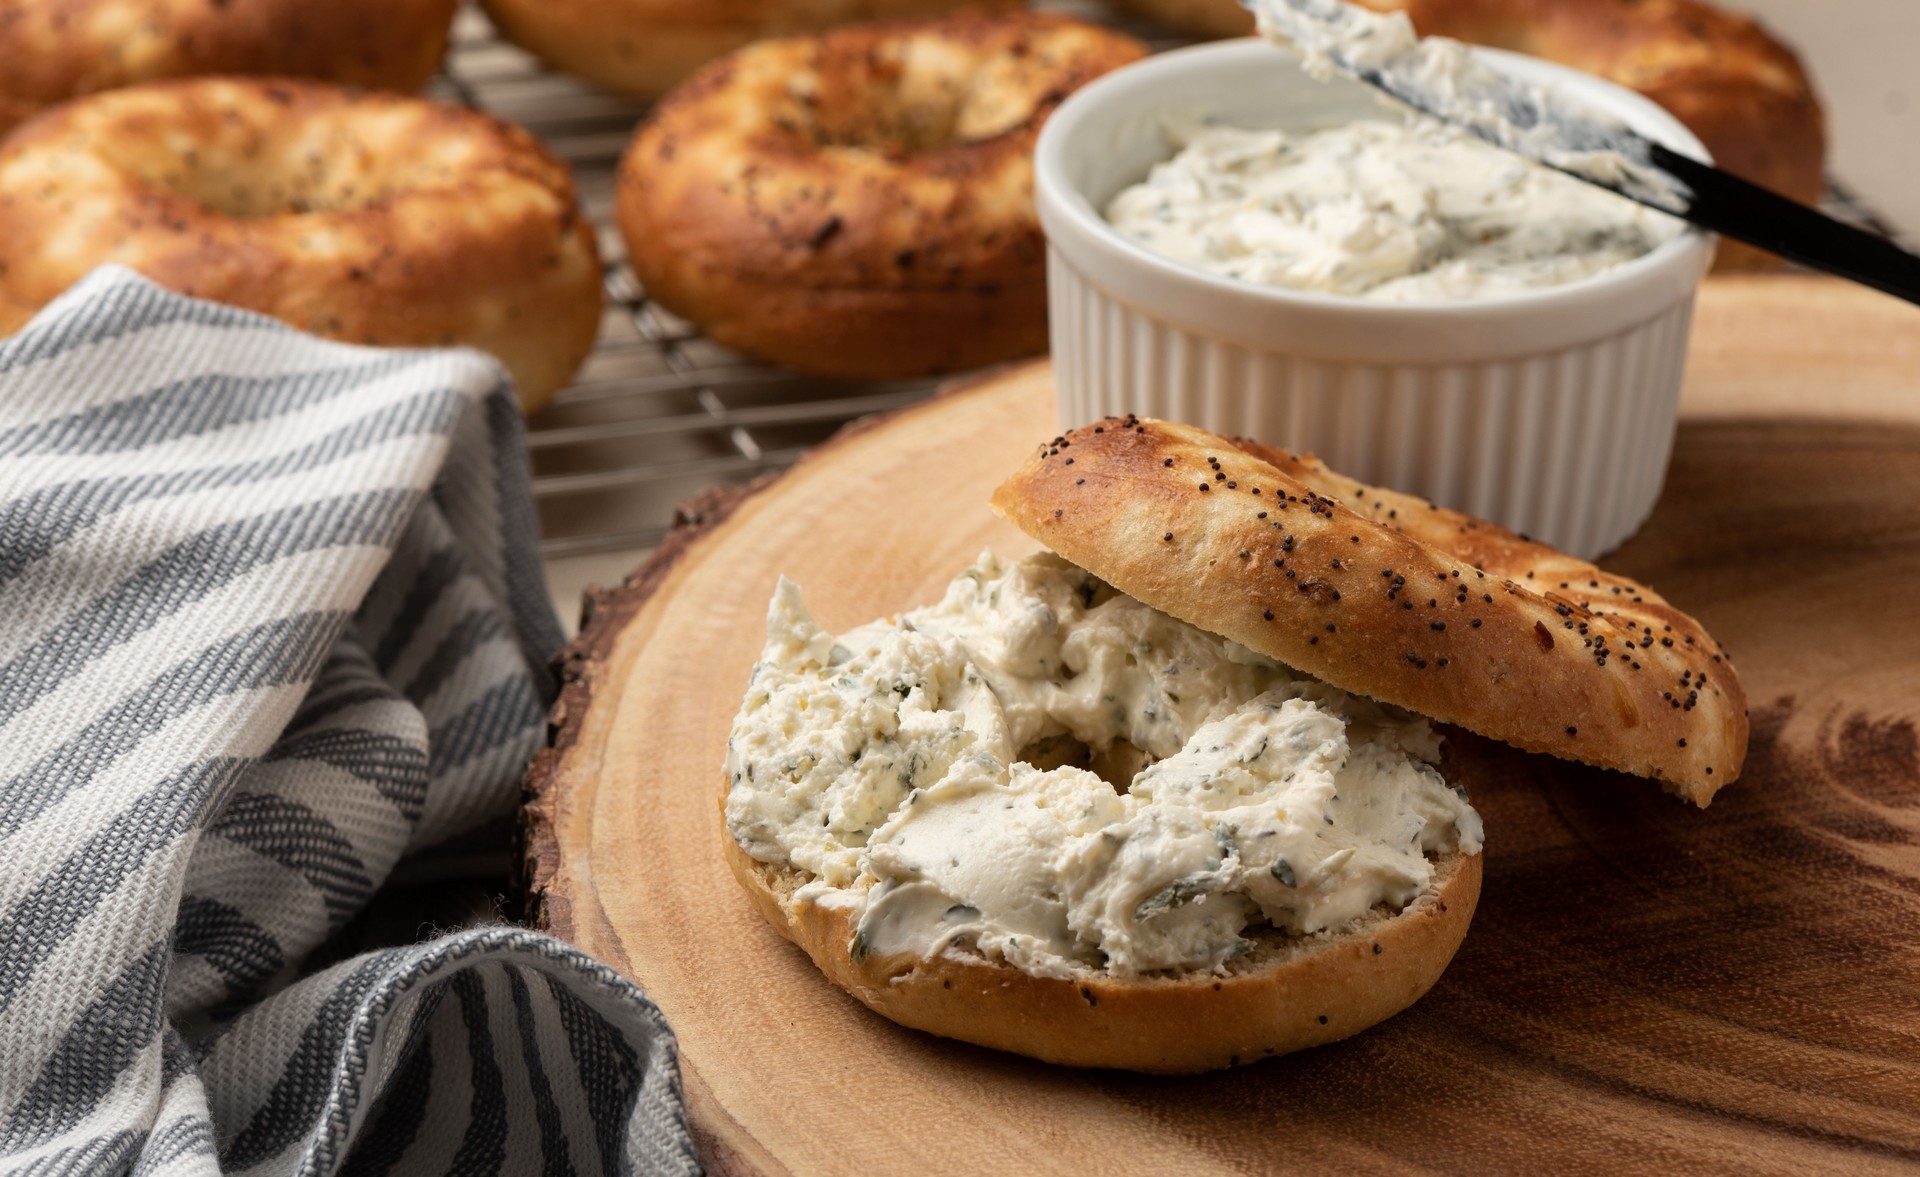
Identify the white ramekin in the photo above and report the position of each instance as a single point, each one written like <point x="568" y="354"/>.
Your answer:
<point x="1551" y="412"/>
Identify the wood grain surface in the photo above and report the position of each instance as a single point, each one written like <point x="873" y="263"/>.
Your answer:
<point x="1647" y="987"/>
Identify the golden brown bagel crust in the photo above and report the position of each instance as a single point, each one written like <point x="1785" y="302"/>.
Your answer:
<point x="369" y="218"/>
<point x="1289" y="993"/>
<point x="643" y="47"/>
<point x="860" y="203"/>
<point x="1386" y="596"/>
<point x="1743" y="93"/>
<point x="54" y="50"/>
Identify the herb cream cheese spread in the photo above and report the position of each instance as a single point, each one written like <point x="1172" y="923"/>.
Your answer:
<point x="891" y="763"/>
<point x="1379" y="210"/>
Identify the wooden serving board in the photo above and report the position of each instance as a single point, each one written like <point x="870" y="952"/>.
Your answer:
<point x="1646" y="986"/>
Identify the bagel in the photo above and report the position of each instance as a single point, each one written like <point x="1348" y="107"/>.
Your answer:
<point x="1286" y="994"/>
<point x="56" y="50"/>
<point x="913" y="804"/>
<point x="1742" y="92"/>
<point x="1391" y="598"/>
<point x="643" y="47"/>
<point x="369" y="218"/>
<point x="860" y="203"/>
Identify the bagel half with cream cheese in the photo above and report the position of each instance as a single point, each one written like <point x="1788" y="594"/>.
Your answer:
<point x="1085" y="919"/>
<point x="1288" y="993"/>
<point x="1391" y="597"/>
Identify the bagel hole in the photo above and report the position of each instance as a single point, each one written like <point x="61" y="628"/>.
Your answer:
<point x="1117" y="764"/>
<point x="913" y="96"/>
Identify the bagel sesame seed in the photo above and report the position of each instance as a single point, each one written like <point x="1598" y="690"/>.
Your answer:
<point x="1573" y="731"/>
<point x="1437" y="626"/>
<point x="1219" y="478"/>
<point x="1475" y="623"/>
<point x="1230" y="483"/>
<point x="1709" y="772"/>
<point x="1683" y="741"/>
<point x="1261" y="515"/>
<point x="1268" y="614"/>
<point x="1079" y="482"/>
<point x="1069" y="461"/>
<point x="1168" y="462"/>
<point x="1205" y="487"/>
<point x="1168" y="537"/>
<point x="1314" y="640"/>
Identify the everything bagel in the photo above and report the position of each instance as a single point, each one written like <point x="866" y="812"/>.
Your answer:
<point x="369" y="218"/>
<point x="860" y="203"/>
<point x="643" y="47"/>
<point x="1391" y="597"/>
<point x="56" y="50"/>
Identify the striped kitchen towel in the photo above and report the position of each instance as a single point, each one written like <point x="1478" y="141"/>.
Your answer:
<point x="271" y="621"/>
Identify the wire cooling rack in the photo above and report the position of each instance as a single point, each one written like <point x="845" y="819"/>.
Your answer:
<point x="659" y="413"/>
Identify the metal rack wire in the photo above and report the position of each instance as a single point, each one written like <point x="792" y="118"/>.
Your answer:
<point x="658" y="412"/>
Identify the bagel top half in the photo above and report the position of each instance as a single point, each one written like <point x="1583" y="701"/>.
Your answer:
<point x="1388" y="596"/>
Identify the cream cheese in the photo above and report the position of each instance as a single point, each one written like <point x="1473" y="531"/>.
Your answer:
<point x="1445" y="79"/>
<point x="888" y="763"/>
<point x="1378" y="210"/>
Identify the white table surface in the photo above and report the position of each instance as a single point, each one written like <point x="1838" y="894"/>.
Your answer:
<point x="1864" y="56"/>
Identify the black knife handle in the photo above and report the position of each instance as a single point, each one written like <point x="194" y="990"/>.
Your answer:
<point x="1747" y="212"/>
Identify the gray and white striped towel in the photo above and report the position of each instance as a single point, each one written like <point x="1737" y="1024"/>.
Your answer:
<point x="271" y="620"/>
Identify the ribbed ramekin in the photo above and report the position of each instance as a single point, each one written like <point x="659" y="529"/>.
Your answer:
<point x="1551" y="412"/>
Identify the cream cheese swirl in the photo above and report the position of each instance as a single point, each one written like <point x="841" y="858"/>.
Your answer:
<point x="888" y="763"/>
